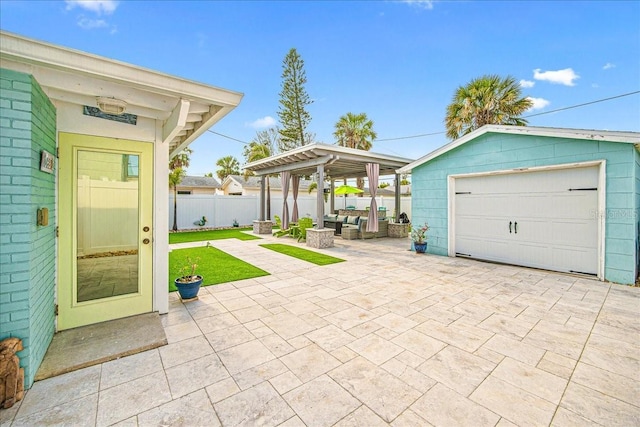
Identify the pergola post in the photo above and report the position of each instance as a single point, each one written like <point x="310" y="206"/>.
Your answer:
<point x="320" y="195"/>
<point x="262" y="197"/>
<point x="332" y="196"/>
<point x="397" y="197"/>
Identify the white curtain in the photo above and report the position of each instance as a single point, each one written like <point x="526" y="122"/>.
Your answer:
<point x="373" y="172"/>
<point x="295" y="185"/>
<point x="284" y="176"/>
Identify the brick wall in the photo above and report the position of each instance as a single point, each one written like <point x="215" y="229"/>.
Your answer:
<point x="27" y="251"/>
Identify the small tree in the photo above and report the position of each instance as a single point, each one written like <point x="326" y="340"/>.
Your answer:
<point x="177" y="170"/>
<point x="261" y="148"/>
<point x="175" y="177"/>
<point x="483" y="101"/>
<point x="294" y="118"/>
<point x="355" y="131"/>
<point x="227" y="165"/>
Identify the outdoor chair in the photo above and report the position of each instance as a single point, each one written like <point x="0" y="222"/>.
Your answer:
<point x="280" y="232"/>
<point x="303" y="224"/>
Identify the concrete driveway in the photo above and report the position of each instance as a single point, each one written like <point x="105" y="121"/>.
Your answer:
<point x="388" y="337"/>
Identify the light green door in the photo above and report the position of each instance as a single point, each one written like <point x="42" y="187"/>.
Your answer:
<point x="105" y="196"/>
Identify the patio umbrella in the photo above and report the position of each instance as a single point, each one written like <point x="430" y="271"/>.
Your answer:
<point x="343" y="190"/>
<point x="346" y="189"/>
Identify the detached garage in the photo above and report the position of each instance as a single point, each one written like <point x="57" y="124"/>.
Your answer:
<point x="566" y="200"/>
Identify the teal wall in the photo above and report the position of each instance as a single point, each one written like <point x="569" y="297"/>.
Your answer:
<point x="636" y="214"/>
<point x="27" y="251"/>
<point x="498" y="151"/>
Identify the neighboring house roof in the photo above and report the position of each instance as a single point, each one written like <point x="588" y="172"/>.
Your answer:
<point x="586" y="134"/>
<point x="186" y="108"/>
<point x="253" y="182"/>
<point x="199" y="181"/>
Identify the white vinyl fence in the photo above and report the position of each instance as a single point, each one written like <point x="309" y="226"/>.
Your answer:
<point x="221" y="211"/>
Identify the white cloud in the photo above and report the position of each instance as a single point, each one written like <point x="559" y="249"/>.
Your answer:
<point x="526" y="83"/>
<point x="538" y="103"/>
<point x="423" y="4"/>
<point x="608" y="65"/>
<point x="97" y="6"/>
<point x="265" y="122"/>
<point x="89" y="24"/>
<point x="564" y="77"/>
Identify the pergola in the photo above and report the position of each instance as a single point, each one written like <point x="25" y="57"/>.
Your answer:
<point x="328" y="162"/>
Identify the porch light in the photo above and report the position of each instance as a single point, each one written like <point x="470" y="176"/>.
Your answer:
<point x="111" y="105"/>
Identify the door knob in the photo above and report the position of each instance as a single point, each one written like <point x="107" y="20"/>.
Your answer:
<point x="515" y="227"/>
<point x="146" y="241"/>
<point x="510" y="227"/>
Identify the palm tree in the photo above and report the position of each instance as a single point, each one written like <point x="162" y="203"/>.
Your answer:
<point x="486" y="100"/>
<point x="228" y="165"/>
<point x="177" y="166"/>
<point x="355" y="131"/>
<point x="175" y="177"/>
<point x="181" y="160"/>
<point x="258" y="149"/>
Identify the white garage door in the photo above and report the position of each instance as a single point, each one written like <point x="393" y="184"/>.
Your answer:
<point x="544" y="219"/>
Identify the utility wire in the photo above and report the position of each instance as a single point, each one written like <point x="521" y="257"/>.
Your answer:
<point x="443" y="132"/>
<point x="526" y="117"/>
<point x="581" y="105"/>
<point x="228" y="137"/>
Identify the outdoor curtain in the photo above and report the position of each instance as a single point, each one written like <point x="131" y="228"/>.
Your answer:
<point x="373" y="171"/>
<point x="284" y="176"/>
<point x="295" y="184"/>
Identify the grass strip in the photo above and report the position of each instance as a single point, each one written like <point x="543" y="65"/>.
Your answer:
<point x="303" y="254"/>
<point x="214" y="265"/>
<point x="200" y="236"/>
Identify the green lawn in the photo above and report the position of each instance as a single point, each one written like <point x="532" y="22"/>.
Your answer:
<point x="199" y="236"/>
<point x="303" y="254"/>
<point x="214" y="265"/>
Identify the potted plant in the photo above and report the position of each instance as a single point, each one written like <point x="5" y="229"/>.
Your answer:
<point x="235" y="223"/>
<point x="189" y="283"/>
<point x="419" y="237"/>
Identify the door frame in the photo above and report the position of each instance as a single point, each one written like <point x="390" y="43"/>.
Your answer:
<point x="128" y="304"/>
<point x="601" y="213"/>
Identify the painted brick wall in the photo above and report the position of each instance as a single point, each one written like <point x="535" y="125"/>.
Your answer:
<point x="636" y="213"/>
<point x="27" y="251"/>
<point x="496" y="151"/>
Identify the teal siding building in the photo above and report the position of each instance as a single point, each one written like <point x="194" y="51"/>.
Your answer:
<point x="27" y="250"/>
<point x="61" y="128"/>
<point x="518" y="164"/>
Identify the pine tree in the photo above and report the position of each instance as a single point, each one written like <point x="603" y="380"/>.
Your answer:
<point x="294" y="119"/>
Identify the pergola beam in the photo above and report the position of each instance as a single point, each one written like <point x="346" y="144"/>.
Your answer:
<point x="298" y="166"/>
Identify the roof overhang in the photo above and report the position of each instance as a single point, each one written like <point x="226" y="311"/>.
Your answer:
<point x="186" y="108"/>
<point x="585" y="134"/>
<point x="339" y="162"/>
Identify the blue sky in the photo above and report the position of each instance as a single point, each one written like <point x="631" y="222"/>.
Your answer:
<point x="397" y="61"/>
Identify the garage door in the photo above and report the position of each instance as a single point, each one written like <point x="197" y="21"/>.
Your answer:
<point x="543" y="219"/>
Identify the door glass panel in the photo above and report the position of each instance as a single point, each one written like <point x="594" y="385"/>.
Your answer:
<point x="107" y="221"/>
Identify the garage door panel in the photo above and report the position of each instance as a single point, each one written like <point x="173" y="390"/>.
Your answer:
<point x="575" y="260"/>
<point x="490" y="205"/>
<point x="494" y="250"/>
<point x="557" y="228"/>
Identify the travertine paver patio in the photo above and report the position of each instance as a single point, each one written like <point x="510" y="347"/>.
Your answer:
<point x="389" y="337"/>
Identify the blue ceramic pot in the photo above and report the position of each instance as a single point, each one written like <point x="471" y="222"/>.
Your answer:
<point x="420" y="247"/>
<point x="188" y="290"/>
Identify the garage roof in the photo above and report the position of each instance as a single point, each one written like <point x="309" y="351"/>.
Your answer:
<point x="592" y="135"/>
<point x="339" y="162"/>
<point x="187" y="108"/>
